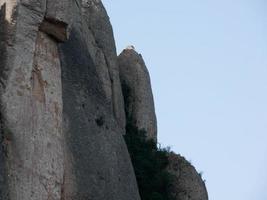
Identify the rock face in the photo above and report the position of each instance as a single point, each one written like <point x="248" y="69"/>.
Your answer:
<point x="140" y="112"/>
<point x="62" y="116"/>
<point x="187" y="184"/>
<point x="31" y="105"/>
<point x="98" y="165"/>
<point x="137" y="92"/>
<point x="65" y="99"/>
<point x="98" y="23"/>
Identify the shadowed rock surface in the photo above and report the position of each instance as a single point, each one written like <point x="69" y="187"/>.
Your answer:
<point x="140" y="112"/>
<point x="98" y="155"/>
<point x="31" y="105"/>
<point x="61" y="137"/>
<point x="63" y="110"/>
<point x="137" y="92"/>
<point x="98" y="23"/>
<point x="187" y="184"/>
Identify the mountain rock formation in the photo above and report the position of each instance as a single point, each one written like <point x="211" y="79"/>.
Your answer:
<point x="187" y="183"/>
<point x="137" y="91"/>
<point x="60" y="99"/>
<point x="63" y="112"/>
<point x="140" y="113"/>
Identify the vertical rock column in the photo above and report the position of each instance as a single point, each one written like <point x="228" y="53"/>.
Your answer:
<point x="99" y="166"/>
<point x="31" y="104"/>
<point x="98" y="22"/>
<point x="187" y="183"/>
<point x="37" y="165"/>
<point x="137" y="92"/>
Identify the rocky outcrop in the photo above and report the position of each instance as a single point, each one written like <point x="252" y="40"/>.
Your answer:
<point x="137" y="92"/>
<point x="61" y="134"/>
<point x="187" y="183"/>
<point x="98" y="23"/>
<point x="98" y="165"/>
<point x="65" y="99"/>
<point x="31" y="105"/>
<point x="139" y="107"/>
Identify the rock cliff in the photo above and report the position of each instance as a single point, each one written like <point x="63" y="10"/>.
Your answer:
<point x="137" y="91"/>
<point x="65" y="99"/>
<point x="140" y="113"/>
<point x="62" y="113"/>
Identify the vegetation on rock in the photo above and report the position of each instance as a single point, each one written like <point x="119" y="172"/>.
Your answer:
<point x="150" y="163"/>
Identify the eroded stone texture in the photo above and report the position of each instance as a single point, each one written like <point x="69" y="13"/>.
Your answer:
<point x="99" y="159"/>
<point x="56" y="29"/>
<point x="57" y="19"/>
<point x="3" y="172"/>
<point x="58" y="10"/>
<point x="187" y="183"/>
<point x="31" y="106"/>
<point x="89" y="159"/>
<point x="61" y="133"/>
<point x="98" y="22"/>
<point x="137" y="92"/>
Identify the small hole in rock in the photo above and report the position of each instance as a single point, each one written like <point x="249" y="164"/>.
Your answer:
<point x="100" y="121"/>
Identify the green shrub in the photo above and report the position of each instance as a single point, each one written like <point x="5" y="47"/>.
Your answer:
<point x="149" y="164"/>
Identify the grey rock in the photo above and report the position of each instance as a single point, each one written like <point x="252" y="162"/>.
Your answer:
<point x="137" y="92"/>
<point x="3" y="169"/>
<point x="61" y="136"/>
<point x="187" y="183"/>
<point x="56" y="29"/>
<point x="57" y="19"/>
<point x="31" y="106"/>
<point x="98" y="165"/>
<point x="62" y="109"/>
<point x="58" y="11"/>
<point x="98" y="22"/>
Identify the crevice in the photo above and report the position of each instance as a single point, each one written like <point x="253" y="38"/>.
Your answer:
<point x="3" y="155"/>
<point x="100" y="121"/>
<point x="3" y="46"/>
<point x="112" y="85"/>
<point x="77" y="3"/>
<point x="62" y="192"/>
<point x="38" y="83"/>
<point x="55" y="28"/>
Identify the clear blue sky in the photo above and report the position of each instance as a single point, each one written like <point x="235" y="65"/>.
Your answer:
<point x="208" y="64"/>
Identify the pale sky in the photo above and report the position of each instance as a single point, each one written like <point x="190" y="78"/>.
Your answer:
<point x="208" y="65"/>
